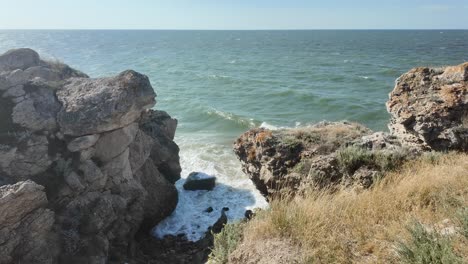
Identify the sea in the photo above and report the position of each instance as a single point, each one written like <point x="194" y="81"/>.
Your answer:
<point x="219" y="84"/>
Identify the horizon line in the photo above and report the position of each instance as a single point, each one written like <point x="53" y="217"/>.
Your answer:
<point x="195" y="29"/>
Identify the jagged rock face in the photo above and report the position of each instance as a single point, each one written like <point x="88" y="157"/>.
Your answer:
<point x="283" y="162"/>
<point x="106" y="162"/>
<point x="429" y="108"/>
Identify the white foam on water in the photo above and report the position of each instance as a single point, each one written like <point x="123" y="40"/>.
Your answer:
<point x="233" y="190"/>
<point x="269" y="126"/>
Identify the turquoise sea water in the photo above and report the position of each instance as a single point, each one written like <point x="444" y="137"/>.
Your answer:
<point x="218" y="84"/>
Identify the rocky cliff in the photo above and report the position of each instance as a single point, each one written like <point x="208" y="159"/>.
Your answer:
<point x="429" y="111"/>
<point x="84" y="162"/>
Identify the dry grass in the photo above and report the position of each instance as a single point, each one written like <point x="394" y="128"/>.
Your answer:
<point x="367" y="226"/>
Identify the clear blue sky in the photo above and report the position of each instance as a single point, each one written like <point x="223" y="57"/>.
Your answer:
<point x="235" y="14"/>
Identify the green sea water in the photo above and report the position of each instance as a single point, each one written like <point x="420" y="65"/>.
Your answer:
<point x="219" y="84"/>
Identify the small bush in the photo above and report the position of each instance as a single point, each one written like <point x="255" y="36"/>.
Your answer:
<point x="462" y="218"/>
<point x="226" y="242"/>
<point x="426" y="247"/>
<point x="352" y="158"/>
<point x="390" y="160"/>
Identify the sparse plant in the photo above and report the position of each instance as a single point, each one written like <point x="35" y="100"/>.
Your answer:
<point x="462" y="218"/>
<point x="426" y="247"/>
<point x="226" y="242"/>
<point x="352" y="158"/>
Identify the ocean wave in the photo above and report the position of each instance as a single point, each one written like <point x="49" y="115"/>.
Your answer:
<point x="233" y="190"/>
<point x="237" y="119"/>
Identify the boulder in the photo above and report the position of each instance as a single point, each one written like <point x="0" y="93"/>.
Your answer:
<point x="199" y="181"/>
<point x="92" y="106"/>
<point x="428" y="108"/>
<point x="19" y="59"/>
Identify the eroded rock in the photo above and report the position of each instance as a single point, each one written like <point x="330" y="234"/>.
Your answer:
<point x="92" y="106"/>
<point x="103" y="167"/>
<point x="429" y="108"/>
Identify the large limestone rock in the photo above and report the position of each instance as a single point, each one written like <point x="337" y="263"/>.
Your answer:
<point x="93" y="106"/>
<point x="106" y="163"/>
<point x="429" y="108"/>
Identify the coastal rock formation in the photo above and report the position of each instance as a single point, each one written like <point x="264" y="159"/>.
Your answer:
<point x="429" y="111"/>
<point x="429" y="108"/>
<point x="280" y="162"/>
<point x="84" y="163"/>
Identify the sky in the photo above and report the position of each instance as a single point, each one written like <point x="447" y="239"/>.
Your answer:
<point x="235" y="14"/>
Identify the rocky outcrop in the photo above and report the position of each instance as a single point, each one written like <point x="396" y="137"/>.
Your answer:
<point x="84" y="163"/>
<point x="280" y="162"/>
<point x="429" y="108"/>
<point x="429" y="111"/>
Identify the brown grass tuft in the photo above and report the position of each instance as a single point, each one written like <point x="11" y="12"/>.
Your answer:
<point x="366" y="226"/>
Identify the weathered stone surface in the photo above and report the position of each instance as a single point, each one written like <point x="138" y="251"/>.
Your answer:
<point x="93" y="106"/>
<point x="29" y="158"/>
<point x="25" y="233"/>
<point x="104" y="174"/>
<point x="19" y="59"/>
<point x="82" y="143"/>
<point x="140" y="150"/>
<point x="14" y="91"/>
<point x="114" y="143"/>
<point x="162" y="195"/>
<point x="429" y="108"/>
<point x="159" y="123"/>
<point x="38" y="109"/>
<point x="164" y="153"/>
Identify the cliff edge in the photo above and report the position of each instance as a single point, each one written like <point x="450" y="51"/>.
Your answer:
<point x="84" y="162"/>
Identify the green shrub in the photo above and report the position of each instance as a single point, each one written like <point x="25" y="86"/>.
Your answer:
<point x="426" y="247"/>
<point x="226" y="242"/>
<point x="352" y="158"/>
<point x="390" y="160"/>
<point x="462" y="218"/>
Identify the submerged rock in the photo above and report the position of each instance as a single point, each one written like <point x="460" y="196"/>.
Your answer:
<point x="92" y="147"/>
<point x="199" y="181"/>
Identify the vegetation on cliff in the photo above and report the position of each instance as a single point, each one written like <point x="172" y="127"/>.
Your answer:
<point x="418" y="214"/>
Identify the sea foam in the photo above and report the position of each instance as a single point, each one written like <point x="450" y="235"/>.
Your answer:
<point x="233" y="190"/>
